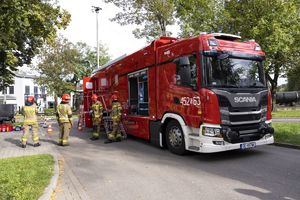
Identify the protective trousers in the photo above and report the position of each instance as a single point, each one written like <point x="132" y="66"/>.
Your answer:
<point x="96" y="127"/>
<point x="65" y="128"/>
<point x="115" y="133"/>
<point x="35" y="135"/>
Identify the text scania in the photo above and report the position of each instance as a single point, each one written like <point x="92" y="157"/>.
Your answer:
<point x="244" y="99"/>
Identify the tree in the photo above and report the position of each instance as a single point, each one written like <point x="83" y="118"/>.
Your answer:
<point x="88" y="58"/>
<point x="152" y="16"/>
<point x="197" y="16"/>
<point x="24" y="27"/>
<point x="57" y="67"/>
<point x="63" y="64"/>
<point x="293" y="79"/>
<point x="274" y="24"/>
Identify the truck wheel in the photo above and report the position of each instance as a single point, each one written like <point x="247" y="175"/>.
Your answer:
<point x="175" y="138"/>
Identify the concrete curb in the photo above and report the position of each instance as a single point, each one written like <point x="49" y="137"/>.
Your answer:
<point x="287" y="145"/>
<point x="53" y="182"/>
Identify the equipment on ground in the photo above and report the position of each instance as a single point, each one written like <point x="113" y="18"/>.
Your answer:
<point x="49" y="130"/>
<point x="287" y="98"/>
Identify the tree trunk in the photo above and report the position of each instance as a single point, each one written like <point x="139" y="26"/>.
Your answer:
<point x="55" y="102"/>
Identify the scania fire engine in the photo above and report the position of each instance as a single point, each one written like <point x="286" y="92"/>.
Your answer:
<point x="204" y="94"/>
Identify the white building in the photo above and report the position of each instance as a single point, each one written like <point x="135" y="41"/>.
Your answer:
<point x="24" y="86"/>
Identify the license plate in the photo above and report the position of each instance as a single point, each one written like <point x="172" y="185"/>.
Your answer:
<point x="248" y="145"/>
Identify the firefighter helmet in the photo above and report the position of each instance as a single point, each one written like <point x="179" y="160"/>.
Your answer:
<point x="30" y="99"/>
<point x="94" y="97"/>
<point x="65" y="97"/>
<point x="114" y="97"/>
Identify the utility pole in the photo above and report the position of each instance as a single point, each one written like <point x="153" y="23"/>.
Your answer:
<point x="96" y="9"/>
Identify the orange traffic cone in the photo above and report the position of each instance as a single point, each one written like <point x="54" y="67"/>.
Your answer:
<point x="49" y="130"/>
<point x="79" y="126"/>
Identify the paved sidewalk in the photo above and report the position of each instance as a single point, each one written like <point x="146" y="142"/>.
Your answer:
<point x="10" y="145"/>
<point x="68" y="187"/>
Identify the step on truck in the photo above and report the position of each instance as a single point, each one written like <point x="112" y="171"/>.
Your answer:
<point x="204" y="94"/>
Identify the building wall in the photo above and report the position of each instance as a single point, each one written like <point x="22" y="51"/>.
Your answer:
<point x="20" y="94"/>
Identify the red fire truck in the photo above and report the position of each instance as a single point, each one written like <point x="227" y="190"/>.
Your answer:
<point x="204" y="94"/>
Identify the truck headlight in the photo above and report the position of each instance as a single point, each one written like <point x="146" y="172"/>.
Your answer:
<point x="211" y="132"/>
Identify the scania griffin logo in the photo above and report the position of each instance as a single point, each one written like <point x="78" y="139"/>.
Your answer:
<point x="244" y="99"/>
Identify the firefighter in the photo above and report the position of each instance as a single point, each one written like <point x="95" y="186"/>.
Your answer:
<point x="30" y="119"/>
<point x="116" y="112"/>
<point x="96" y="112"/>
<point x="64" y="118"/>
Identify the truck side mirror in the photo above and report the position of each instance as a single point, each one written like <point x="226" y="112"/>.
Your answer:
<point x="223" y="56"/>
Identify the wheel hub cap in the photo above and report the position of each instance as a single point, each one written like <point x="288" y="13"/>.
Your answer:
<point x="175" y="137"/>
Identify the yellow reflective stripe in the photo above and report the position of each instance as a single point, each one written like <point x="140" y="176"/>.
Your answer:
<point x="96" y="134"/>
<point x="35" y="138"/>
<point x="30" y="120"/>
<point x="62" y="112"/>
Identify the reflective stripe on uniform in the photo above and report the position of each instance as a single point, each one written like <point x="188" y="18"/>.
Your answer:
<point x="97" y="109"/>
<point x="29" y="113"/>
<point x="63" y="111"/>
<point x="95" y="134"/>
<point x="65" y="141"/>
<point x="35" y="138"/>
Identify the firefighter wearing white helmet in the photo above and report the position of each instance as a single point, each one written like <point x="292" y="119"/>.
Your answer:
<point x="64" y="118"/>
<point x="30" y="120"/>
<point x="116" y="113"/>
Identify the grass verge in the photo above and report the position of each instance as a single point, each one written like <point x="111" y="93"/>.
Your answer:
<point x="25" y="178"/>
<point x="286" y="113"/>
<point x="287" y="133"/>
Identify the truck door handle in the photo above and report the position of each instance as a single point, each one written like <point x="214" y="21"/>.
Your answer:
<point x="176" y="100"/>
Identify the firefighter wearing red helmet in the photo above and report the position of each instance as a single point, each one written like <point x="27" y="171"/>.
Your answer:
<point x="64" y="118"/>
<point x="96" y="112"/>
<point x="116" y="113"/>
<point x="30" y="120"/>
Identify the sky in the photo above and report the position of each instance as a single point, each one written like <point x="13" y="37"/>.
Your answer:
<point x="118" y="39"/>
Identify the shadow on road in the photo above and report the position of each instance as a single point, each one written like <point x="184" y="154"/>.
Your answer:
<point x="13" y="141"/>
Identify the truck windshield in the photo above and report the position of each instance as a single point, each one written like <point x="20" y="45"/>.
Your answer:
<point x="233" y="73"/>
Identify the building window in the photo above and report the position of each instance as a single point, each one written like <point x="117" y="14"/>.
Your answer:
<point x="4" y="91"/>
<point x="43" y="90"/>
<point x="35" y="90"/>
<point x="11" y="90"/>
<point x="27" y="90"/>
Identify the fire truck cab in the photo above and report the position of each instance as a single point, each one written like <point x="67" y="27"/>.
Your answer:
<point x="205" y="94"/>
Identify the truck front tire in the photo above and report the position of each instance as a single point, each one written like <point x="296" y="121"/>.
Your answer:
<point x="175" y="138"/>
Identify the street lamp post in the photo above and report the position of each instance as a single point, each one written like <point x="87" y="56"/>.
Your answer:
<point x="96" y="9"/>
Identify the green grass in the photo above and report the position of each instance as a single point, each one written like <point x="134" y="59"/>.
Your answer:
<point x="287" y="133"/>
<point x="25" y="178"/>
<point x="286" y="113"/>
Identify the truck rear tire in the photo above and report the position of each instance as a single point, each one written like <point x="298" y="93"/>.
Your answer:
<point x="175" y="138"/>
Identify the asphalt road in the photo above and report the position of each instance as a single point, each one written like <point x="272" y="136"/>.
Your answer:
<point x="135" y="170"/>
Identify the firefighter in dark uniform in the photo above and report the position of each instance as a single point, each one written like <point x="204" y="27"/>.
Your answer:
<point x="30" y="120"/>
<point x="116" y="113"/>
<point x="96" y="112"/>
<point x="64" y="118"/>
